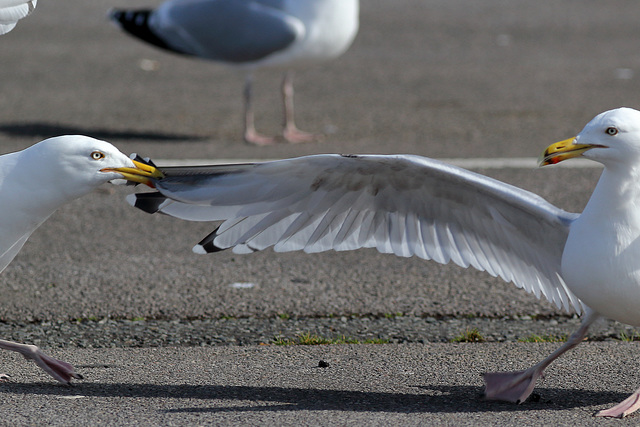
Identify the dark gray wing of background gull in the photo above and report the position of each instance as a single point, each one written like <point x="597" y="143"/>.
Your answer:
<point x="250" y="34"/>
<point x="11" y="11"/>
<point x="410" y="205"/>
<point x="34" y="183"/>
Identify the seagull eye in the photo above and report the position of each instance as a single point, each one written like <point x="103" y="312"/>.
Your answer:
<point x="611" y="131"/>
<point x="97" y="155"/>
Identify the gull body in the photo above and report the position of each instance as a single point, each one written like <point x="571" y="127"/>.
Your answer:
<point x="410" y="205"/>
<point x="11" y="11"/>
<point x="251" y="34"/>
<point x="601" y="259"/>
<point x="34" y="183"/>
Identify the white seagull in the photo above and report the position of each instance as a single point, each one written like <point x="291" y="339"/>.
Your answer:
<point x="251" y="34"/>
<point x="410" y="205"/>
<point x="34" y="183"/>
<point x="11" y="11"/>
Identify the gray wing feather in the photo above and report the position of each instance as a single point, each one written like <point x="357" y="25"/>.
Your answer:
<point x="406" y="205"/>
<point x="225" y="30"/>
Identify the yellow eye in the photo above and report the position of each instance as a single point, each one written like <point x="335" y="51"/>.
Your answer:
<point x="97" y="155"/>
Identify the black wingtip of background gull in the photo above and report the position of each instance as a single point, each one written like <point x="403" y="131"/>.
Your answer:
<point x="136" y="23"/>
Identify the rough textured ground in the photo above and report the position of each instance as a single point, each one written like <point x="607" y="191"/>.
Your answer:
<point x="439" y="78"/>
<point x="378" y="385"/>
<point x="107" y="333"/>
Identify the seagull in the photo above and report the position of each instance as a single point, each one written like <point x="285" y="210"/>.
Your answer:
<point x="34" y="183"/>
<point x="250" y="34"/>
<point x="11" y="11"/>
<point x="410" y="205"/>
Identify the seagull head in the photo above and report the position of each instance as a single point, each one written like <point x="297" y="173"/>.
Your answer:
<point x="81" y="163"/>
<point x="610" y="137"/>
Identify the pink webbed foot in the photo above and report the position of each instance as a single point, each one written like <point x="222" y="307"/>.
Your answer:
<point x="61" y="371"/>
<point x="517" y="386"/>
<point x="510" y="386"/>
<point x="253" y="137"/>
<point x="624" y="408"/>
<point x="294" y="135"/>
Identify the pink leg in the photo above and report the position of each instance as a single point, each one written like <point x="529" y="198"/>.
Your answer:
<point x="624" y="408"/>
<point x="291" y="133"/>
<point x="250" y="134"/>
<point x="61" y="371"/>
<point x="517" y="386"/>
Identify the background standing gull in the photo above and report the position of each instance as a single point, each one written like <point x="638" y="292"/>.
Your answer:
<point x="410" y="205"/>
<point x="34" y="183"/>
<point x="251" y="34"/>
<point x="11" y="11"/>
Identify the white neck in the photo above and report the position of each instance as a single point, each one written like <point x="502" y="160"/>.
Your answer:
<point x="616" y="196"/>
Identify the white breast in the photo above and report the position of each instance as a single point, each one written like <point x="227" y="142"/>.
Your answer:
<point x="601" y="259"/>
<point x="330" y="28"/>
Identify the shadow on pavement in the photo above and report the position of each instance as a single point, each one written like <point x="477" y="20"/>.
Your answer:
<point x="45" y="130"/>
<point x="433" y="398"/>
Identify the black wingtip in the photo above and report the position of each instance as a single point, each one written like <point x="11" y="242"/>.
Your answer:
<point x="149" y="202"/>
<point x="136" y="23"/>
<point x="207" y="246"/>
<point x="144" y="160"/>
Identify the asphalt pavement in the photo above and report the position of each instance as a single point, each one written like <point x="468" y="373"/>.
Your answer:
<point x="378" y="385"/>
<point x="445" y="79"/>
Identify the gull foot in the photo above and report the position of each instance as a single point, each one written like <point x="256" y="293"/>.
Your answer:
<point x="253" y="137"/>
<point x="61" y="371"/>
<point x="297" y="136"/>
<point x="624" y="408"/>
<point x="510" y="386"/>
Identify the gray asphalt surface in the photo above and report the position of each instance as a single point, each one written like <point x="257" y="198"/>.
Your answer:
<point x="436" y="78"/>
<point x="432" y="384"/>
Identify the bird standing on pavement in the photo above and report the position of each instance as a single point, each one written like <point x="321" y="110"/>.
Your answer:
<point x="251" y="34"/>
<point x="411" y="205"/>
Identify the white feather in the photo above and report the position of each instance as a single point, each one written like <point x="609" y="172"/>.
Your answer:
<point x="11" y="11"/>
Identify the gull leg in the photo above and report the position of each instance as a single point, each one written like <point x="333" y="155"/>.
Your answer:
<point x="517" y="386"/>
<point x="250" y="134"/>
<point x="291" y="133"/>
<point x="61" y="371"/>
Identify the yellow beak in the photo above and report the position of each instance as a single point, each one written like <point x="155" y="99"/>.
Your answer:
<point x="142" y="173"/>
<point x="563" y="150"/>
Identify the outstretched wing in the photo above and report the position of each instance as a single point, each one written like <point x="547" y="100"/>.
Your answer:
<point x="406" y="205"/>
